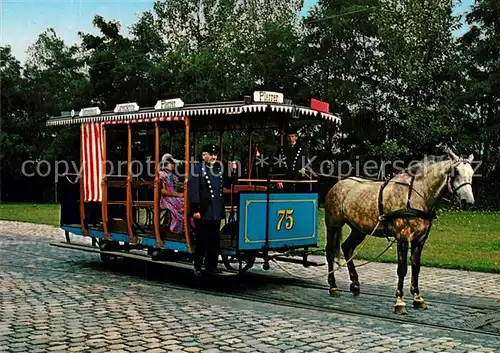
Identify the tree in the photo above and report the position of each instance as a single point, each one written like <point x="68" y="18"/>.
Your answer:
<point x="117" y="67"/>
<point x="54" y="75"/>
<point x="418" y="73"/>
<point x="11" y="109"/>
<point x="341" y="66"/>
<point x="481" y="84"/>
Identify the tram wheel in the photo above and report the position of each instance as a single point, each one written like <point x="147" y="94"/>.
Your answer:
<point x="105" y="258"/>
<point x="232" y="262"/>
<point x="105" y="245"/>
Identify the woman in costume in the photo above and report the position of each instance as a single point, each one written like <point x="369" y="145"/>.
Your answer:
<point x="170" y="198"/>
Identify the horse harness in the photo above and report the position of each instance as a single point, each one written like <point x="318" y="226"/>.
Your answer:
<point x="409" y="212"/>
<point x="405" y="213"/>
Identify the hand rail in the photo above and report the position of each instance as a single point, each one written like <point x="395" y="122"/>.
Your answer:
<point x="104" y="183"/>
<point x="157" y="188"/>
<point x="277" y="181"/>
<point x="187" y="125"/>
<point x="130" y="221"/>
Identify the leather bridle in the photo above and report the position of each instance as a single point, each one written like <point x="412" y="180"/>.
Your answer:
<point x="451" y="179"/>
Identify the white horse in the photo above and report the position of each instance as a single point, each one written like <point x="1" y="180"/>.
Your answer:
<point x="402" y="207"/>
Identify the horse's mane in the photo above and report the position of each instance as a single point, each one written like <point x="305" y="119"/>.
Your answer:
<point x="416" y="169"/>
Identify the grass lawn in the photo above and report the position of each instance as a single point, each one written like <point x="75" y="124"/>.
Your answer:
<point x="464" y="240"/>
<point x="30" y="212"/>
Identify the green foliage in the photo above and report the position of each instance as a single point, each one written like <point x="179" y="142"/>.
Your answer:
<point x="11" y="103"/>
<point x="481" y="81"/>
<point x="389" y="150"/>
<point x="418" y="51"/>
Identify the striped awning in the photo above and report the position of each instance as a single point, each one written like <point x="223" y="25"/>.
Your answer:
<point x="152" y="115"/>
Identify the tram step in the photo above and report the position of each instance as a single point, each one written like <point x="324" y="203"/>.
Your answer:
<point x="89" y="248"/>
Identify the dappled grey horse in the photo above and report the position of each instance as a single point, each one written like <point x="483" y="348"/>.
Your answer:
<point x="402" y="207"/>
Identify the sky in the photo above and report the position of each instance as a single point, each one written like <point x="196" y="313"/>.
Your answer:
<point x="21" y="21"/>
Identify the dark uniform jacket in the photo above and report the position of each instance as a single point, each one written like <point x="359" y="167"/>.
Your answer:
<point x="205" y="191"/>
<point x="292" y="159"/>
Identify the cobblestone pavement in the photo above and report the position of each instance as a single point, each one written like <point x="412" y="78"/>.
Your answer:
<point x="59" y="300"/>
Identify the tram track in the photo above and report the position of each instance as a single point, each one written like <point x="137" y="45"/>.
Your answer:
<point x="244" y="294"/>
<point x="286" y="281"/>
<point x="290" y="282"/>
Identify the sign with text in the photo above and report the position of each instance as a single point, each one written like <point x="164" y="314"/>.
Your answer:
<point x="126" y="108"/>
<point x="90" y="111"/>
<point x="268" y="97"/>
<point x="169" y="104"/>
<point x="320" y="106"/>
<point x="293" y="220"/>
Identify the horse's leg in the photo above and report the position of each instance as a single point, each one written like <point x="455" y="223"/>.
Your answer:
<point x="333" y="236"/>
<point x="416" y="251"/>
<point x="348" y="247"/>
<point x="332" y="245"/>
<point x="400" y="306"/>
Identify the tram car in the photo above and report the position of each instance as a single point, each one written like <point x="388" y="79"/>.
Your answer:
<point x="114" y="199"/>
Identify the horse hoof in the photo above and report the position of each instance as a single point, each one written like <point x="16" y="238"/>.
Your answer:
<point x="354" y="289"/>
<point x="400" y="310"/>
<point x="334" y="292"/>
<point x="417" y="304"/>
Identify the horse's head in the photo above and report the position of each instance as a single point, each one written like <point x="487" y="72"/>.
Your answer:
<point x="460" y="178"/>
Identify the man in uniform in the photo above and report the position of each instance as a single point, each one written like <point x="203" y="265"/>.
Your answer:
<point x="206" y="206"/>
<point x="292" y="160"/>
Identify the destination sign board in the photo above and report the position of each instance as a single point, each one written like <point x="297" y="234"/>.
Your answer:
<point x="169" y="104"/>
<point x="90" y="111"/>
<point x="126" y="107"/>
<point x="268" y="97"/>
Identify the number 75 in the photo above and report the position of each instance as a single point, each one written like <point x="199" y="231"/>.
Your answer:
<point x="285" y="214"/>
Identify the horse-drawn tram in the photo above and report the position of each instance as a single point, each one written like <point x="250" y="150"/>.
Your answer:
<point x="117" y="198"/>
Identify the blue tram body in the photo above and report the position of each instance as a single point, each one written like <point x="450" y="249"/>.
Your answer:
<point x="292" y="221"/>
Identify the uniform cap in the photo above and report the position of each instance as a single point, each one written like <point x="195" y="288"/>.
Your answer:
<point x="210" y="148"/>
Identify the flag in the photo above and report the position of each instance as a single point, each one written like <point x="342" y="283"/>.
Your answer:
<point x="92" y="161"/>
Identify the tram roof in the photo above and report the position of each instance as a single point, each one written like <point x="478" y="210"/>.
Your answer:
<point x="175" y="110"/>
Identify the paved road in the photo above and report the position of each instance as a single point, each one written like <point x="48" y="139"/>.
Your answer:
<point x="57" y="300"/>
